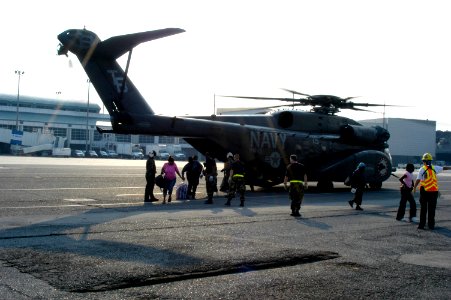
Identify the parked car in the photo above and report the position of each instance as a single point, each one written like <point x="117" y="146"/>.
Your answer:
<point x="91" y="153"/>
<point x="180" y="156"/>
<point x="164" y="155"/>
<point x="103" y="154"/>
<point x="112" y="154"/>
<point x="78" y="153"/>
<point x="137" y="155"/>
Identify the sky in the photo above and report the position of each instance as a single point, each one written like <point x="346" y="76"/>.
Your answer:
<point x="393" y="52"/>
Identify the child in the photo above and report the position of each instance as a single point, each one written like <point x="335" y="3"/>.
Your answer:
<point x="406" y="195"/>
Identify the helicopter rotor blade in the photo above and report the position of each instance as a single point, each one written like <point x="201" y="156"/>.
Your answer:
<point x="325" y="104"/>
<point x="370" y="104"/>
<point x="295" y="92"/>
<point x="254" y="98"/>
<point x="361" y="109"/>
<point x="299" y="101"/>
<point x="349" y="98"/>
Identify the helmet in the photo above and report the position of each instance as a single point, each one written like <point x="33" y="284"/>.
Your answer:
<point x="426" y="157"/>
<point x="229" y="154"/>
<point x="361" y="165"/>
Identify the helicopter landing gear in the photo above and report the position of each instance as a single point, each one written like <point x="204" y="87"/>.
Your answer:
<point x="375" y="185"/>
<point x="325" y="185"/>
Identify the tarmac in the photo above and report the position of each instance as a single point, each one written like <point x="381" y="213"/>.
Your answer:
<point x="78" y="229"/>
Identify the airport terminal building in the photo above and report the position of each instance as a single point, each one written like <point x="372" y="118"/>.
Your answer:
<point x="73" y="121"/>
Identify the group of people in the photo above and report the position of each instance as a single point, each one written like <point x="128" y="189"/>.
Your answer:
<point x="169" y="170"/>
<point x="429" y="191"/>
<point x="296" y="182"/>
<point x="233" y="182"/>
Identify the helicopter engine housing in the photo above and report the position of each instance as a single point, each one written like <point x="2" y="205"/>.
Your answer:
<point x="364" y="135"/>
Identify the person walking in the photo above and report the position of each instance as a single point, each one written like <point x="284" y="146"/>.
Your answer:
<point x="187" y="170"/>
<point x="407" y="195"/>
<point x="427" y="179"/>
<point x="297" y="177"/>
<point x="358" y="183"/>
<point x="169" y="171"/>
<point x="211" y="174"/>
<point x="224" y="187"/>
<point x="193" y="171"/>
<point x="236" y="181"/>
<point x="151" y="170"/>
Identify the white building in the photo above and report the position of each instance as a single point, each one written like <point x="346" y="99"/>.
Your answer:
<point x="409" y="138"/>
<point x="73" y="121"/>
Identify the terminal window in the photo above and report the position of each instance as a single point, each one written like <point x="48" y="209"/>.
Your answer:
<point x="78" y="134"/>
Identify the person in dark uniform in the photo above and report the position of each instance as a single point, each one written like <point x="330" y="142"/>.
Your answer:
<point x="211" y="174"/>
<point x="236" y="181"/>
<point x="358" y="183"/>
<point x="151" y="170"/>
<point x="224" y="187"/>
<point x="297" y="177"/>
<point x="195" y="174"/>
<point x="187" y="169"/>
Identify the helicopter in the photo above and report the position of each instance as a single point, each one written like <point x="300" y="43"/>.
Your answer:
<point x="329" y="146"/>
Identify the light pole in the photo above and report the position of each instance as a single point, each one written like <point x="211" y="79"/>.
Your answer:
<point x="19" y="73"/>
<point x="87" y="117"/>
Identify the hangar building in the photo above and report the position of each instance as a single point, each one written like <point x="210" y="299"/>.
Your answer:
<point x="409" y="138"/>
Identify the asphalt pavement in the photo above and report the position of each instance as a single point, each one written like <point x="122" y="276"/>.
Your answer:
<point x="75" y="228"/>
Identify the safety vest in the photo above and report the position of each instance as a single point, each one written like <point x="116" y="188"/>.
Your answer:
<point x="429" y="183"/>
<point x="296" y="181"/>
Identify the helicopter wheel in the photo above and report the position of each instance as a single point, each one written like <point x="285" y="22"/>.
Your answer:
<point x="375" y="185"/>
<point x="325" y="185"/>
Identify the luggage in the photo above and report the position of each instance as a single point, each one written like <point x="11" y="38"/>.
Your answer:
<point x="181" y="192"/>
<point x="159" y="181"/>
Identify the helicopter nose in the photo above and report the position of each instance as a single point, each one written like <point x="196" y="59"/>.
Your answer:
<point x="62" y="50"/>
<point x="77" y="41"/>
<point x="66" y="39"/>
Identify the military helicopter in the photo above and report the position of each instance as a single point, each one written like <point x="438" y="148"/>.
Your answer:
<point x="330" y="146"/>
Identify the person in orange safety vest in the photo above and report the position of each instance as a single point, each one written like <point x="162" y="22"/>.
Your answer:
<point x="427" y="179"/>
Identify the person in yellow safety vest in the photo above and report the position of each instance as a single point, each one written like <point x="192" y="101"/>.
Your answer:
<point x="427" y="180"/>
<point x="297" y="177"/>
<point x="237" y="182"/>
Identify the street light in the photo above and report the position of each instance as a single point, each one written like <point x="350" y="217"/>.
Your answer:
<point x="87" y="117"/>
<point x="19" y="73"/>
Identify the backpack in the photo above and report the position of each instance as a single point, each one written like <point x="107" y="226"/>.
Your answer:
<point x="159" y="181"/>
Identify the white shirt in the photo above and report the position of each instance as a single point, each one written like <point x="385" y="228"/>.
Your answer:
<point x="420" y="175"/>
<point x="408" y="179"/>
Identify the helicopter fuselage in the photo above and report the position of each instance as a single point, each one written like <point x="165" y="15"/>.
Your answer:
<point x="329" y="146"/>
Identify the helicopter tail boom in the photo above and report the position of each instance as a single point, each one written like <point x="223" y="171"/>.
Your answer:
<point x="121" y="98"/>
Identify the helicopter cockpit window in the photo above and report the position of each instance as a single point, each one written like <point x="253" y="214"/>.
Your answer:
<point x="285" y="119"/>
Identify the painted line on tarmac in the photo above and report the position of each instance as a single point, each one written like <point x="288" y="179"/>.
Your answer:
<point x="79" y="200"/>
<point x="71" y="205"/>
<point x="43" y="206"/>
<point x="77" y="188"/>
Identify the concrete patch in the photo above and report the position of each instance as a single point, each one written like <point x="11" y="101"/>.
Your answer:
<point x="435" y="259"/>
